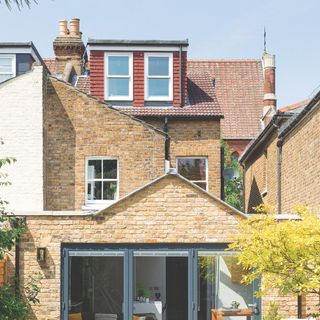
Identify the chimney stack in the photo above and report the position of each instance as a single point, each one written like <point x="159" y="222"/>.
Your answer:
<point x="68" y="47"/>
<point x="269" y="97"/>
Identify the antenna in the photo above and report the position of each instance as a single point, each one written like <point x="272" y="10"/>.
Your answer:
<point x="264" y="39"/>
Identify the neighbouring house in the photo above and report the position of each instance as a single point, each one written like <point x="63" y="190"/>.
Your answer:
<point x="120" y="186"/>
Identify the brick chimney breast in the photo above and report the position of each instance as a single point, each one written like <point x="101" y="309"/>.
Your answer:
<point x="68" y="46"/>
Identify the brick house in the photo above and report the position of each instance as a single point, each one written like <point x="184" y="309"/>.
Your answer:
<point x="126" y="204"/>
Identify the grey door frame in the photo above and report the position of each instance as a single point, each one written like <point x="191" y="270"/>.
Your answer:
<point x="128" y="250"/>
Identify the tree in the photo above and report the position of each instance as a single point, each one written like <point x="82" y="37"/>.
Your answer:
<point x="284" y="253"/>
<point x="232" y="188"/>
<point x="18" y="3"/>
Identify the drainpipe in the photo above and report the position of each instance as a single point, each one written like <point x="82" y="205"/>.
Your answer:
<point x="166" y="146"/>
<point x="221" y="174"/>
<point x="279" y="145"/>
<point x="17" y="267"/>
<point x="299" y="306"/>
<point x="244" y="187"/>
<point x="180" y="70"/>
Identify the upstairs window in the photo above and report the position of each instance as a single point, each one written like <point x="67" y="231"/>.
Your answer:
<point x="158" y="77"/>
<point x="194" y="169"/>
<point x="102" y="180"/>
<point x="118" y="76"/>
<point x="7" y="67"/>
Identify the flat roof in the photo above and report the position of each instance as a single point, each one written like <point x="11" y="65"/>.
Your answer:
<point x="118" y="42"/>
<point x="28" y="44"/>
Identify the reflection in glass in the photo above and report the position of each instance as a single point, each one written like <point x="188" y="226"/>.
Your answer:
<point x="118" y="65"/>
<point x="118" y="87"/>
<point x="158" y="87"/>
<point x="158" y="66"/>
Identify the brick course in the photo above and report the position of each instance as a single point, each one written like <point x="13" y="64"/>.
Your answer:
<point x="78" y="127"/>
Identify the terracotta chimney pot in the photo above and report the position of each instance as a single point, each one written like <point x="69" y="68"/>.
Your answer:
<point x="63" y="28"/>
<point x="74" y="27"/>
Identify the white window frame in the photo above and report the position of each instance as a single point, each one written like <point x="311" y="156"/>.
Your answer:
<point x="194" y="181"/>
<point x="102" y="202"/>
<point x="106" y="76"/>
<point x="147" y="77"/>
<point x="13" y="64"/>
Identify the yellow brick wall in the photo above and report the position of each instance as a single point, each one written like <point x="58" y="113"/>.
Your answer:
<point x="169" y="211"/>
<point x="261" y="175"/>
<point x="77" y="127"/>
<point x="196" y="138"/>
<point x="301" y="165"/>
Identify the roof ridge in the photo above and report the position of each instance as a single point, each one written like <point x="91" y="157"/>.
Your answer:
<point x="225" y="60"/>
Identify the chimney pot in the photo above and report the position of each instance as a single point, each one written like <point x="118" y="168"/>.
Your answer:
<point x="74" y="27"/>
<point x="63" y="28"/>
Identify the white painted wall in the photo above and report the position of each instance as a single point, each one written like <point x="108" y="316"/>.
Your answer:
<point x="21" y="128"/>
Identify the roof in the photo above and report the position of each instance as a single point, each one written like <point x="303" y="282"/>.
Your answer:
<point x="119" y="42"/>
<point x="202" y="101"/>
<point x="294" y="121"/>
<point x="295" y="106"/>
<point x="22" y="45"/>
<point x="238" y="86"/>
<point x="173" y="173"/>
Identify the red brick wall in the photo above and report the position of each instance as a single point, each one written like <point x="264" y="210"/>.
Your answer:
<point x="138" y="79"/>
<point x="97" y="77"/>
<point x="97" y="74"/>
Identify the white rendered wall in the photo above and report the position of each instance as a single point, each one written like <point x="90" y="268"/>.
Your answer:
<point x="21" y="129"/>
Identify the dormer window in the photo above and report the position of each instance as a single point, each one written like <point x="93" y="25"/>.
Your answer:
<point x="118" y="74"/>
<point x="7" y="67"/>
<point x="158" y="76"/>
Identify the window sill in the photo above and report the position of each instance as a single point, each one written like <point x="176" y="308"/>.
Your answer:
<point x="97" y="206"/>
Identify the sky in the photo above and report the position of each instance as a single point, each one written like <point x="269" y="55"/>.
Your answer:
<point x="225" y="29"/>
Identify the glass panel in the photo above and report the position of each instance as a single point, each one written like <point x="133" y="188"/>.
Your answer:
<point x="94" y="169"/>
<point x="158" y="87"/>
<point x="118" y="65"/>
<point x="109" y="190"/>
<point x="118" y="87"/>
<point x="160" y="288"/>
<point x="206" y="286"/>
<point x="97" y="190"/>
<point x="202" y="185"/>
<point x="230" y="286"/>
<point x="158" y="66"/>
<point x="4" y="77"/>
<point x="192" y="169"/>
<point x="6" y="65"/>
<point x="96" y="287"/>
<point x="110" y="169"/>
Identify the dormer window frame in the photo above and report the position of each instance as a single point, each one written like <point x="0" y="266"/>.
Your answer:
<point x="13" y="65"/>
<point x="107" y="96"/>
<point x="147" y="97"/>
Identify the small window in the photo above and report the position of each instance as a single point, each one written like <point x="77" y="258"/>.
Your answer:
<point x="235" y="155"/>
<point x="195" y="170"/>
<point x="118" y="71"/>
<point x="102" y="180"/>
<point x="158" y="77"/>
<point x="7" y="67"/>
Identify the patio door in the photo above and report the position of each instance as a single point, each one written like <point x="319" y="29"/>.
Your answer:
<point x="151" y="283"/>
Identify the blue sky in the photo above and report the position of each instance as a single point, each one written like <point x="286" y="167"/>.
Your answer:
<point x="225" y="29"/>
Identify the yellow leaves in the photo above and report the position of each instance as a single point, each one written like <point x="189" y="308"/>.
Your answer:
<point x="265" y="208"/>
<point x="285" y="254"/>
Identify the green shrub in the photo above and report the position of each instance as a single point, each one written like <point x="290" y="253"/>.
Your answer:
<point x="273" y="312"/>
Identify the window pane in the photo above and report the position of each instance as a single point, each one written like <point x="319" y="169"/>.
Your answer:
<point x="5" y="65"/>
<point x="4" y="77"/>
<point x="94" y="169"/>
<point x="158" y="87"/>
<point x="94" y="191"/>
<point x="109" y="169"/>
<point x="158" y="66"/>
<point x="118" y="87"/>
<point x="192" y="169"/>
<point x="118" y="65"/>
<point x="202" y="185"/>
<point x="109" y="190"/>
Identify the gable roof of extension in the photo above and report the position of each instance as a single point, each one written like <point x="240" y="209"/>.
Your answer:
<point x="296" y="107"/>
<point x="173" y="173"/>
<point x="238" y="85"/>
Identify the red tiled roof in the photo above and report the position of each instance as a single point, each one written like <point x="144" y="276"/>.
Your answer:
<point x="202" y="101"/>
<point x="239" y="89"/>
<point x="294" y="106"/>
<point x="51" y="64"/>
<point x="83" y="84"/>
